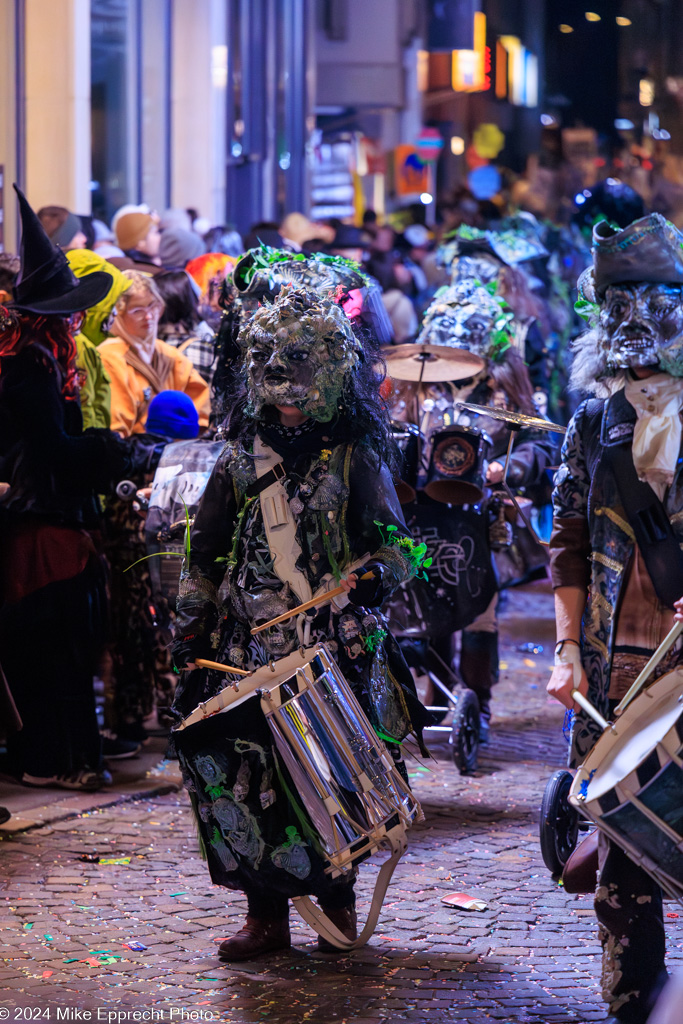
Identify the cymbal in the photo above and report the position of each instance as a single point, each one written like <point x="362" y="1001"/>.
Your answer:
<point x="431" y="363"/>
<point x="513" y="419"/>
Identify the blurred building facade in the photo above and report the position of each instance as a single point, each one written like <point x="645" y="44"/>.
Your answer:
<point x="247" y="109"/>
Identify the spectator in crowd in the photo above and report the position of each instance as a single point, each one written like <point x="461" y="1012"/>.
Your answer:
<point x="104" y="240"/>
<point x="137" y="669"/>
<point x="91" y="327"/>
<point x="266" y="232"/>
<point x="296" y="229"/>
<point x="178" y="247"/>
<point x="209" y="273"/>
<point x="140" y="365"/>
<point x="62" y="227"/>
<point x="174" y="218"/>
<point x="181" y="324"/>
<point x="226" y="239"/>
<point x="52" y="585"/>
<point x="370" y="224"/>
<point x="349" y="242"/>
<point x="137" y="234"/>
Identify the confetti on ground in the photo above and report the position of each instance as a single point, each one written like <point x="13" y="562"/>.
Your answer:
<point x="115" y="860"/>
<point x="179" y="894"/>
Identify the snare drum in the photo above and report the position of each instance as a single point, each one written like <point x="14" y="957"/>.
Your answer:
<point x="631" y="783"/>
<point x="355" y="799"/>
<point x="458" y="464"/>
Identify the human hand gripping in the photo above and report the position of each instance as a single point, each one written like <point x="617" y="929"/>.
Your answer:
<point x="568" y="673"/>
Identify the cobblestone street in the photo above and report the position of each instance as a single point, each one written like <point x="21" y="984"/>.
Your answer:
<point x="532" y="956"/>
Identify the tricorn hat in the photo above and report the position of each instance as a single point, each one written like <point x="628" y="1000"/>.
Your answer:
<point x="46" y="283"/>
<point x="649" y="250"/>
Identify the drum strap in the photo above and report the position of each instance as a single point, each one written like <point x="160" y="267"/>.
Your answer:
<point x="321" y="923"/>
<point x="650" y="523"/>
<point x="279" y="523"/>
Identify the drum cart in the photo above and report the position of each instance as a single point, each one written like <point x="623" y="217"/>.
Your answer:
<point x="430" y="670"/>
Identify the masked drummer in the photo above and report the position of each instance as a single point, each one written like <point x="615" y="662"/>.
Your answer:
<point x="616" y="569"/>
<point x="467" y="316"/>
<point x="308" y="399"/>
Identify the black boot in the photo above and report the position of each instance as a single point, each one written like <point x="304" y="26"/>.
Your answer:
<point x="258" y="936"/>
<point x="479" y="671"/>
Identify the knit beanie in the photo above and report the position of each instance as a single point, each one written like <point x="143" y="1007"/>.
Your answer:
<point x="131" y="228"/>
<point x="173" y="414"/>
<point x="178" y="247"/>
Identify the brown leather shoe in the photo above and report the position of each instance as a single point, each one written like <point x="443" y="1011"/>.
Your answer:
<point x="346" y="921"/>
<point x="259" y="935"/>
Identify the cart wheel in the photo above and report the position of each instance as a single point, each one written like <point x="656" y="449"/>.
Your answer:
<point x="559" y="824"/>
<point x="465" y="735"/>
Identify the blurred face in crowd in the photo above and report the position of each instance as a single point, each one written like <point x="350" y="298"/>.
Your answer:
<point x="151" y="242"/>
<point x="79" y="241"/>
<point x="140" y="315"/>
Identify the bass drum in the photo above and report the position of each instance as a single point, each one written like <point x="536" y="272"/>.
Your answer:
<point x="181" y="477"/>
<point x="461" y="580"/>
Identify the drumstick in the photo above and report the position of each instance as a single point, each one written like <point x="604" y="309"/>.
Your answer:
<point x="203" y="663"/>
<point x="313" y="603"/>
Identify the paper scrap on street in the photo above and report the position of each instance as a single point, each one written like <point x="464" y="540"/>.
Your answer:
<point x="464" y="901"/>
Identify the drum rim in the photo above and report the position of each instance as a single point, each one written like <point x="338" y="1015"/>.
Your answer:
<point x="583" y="772"/>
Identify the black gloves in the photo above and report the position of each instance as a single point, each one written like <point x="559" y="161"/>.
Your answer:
<point x="368" y="593"/>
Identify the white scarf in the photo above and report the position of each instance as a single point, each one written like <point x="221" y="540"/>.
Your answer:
<point x="658" y="401"/>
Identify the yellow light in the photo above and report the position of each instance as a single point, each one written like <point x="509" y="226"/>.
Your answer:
<point x="646" y="92"/>
<point x="624" y="21"/>
<point x="457" y="145"/>
<point x="515" y="52"/>
<point x="592" y="16"/>
<point x="468" y="67"/>
<point x="566" y="29"/>
<point x="422" y="70"/>
<point x="480" y="48"/>
<point x="464" y="70"/>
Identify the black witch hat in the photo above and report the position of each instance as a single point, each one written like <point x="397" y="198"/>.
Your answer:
<point x="46" y="283"/>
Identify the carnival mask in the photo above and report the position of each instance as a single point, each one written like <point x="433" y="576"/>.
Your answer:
<point x="466" y="315"/>
<point x="642" y="325"/>
<point x="298" y="353"/>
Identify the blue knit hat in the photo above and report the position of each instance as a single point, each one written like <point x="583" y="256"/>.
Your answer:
<point x="172" y="414"/>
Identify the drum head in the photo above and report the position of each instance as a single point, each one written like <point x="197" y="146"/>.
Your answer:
<point x="642" y="726"/>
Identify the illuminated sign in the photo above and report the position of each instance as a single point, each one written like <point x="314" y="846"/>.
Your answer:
<point x="521" y="81"/>
<point x="471" y="69"/>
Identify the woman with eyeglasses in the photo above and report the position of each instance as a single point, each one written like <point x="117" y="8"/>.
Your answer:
<point x="140" y="365"/>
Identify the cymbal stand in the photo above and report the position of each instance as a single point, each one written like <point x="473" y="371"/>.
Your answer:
<point x="513" y="428"/>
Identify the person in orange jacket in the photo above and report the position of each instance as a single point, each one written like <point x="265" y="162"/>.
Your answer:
<point x="139" y="365"/>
